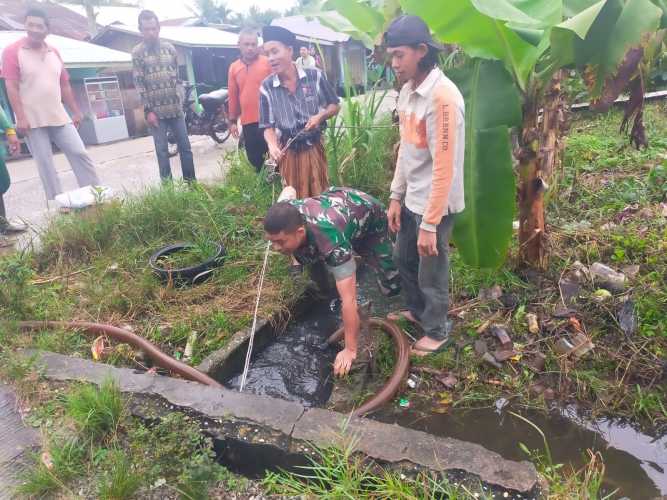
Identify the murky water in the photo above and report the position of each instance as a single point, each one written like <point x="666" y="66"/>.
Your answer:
<point x="295" y="368"/>
<point x="635" y="463"/>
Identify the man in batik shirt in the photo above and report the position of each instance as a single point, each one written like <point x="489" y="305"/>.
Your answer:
<point x="332" y="227"/>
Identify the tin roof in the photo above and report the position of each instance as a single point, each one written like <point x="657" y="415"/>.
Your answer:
<point x="75" y="53"/>
<point x="188" y="36"/>
<point x="310" y="30"/>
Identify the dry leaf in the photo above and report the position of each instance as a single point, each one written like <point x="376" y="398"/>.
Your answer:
<point x="47" y="461"/>
<point x="576" y="324"/>
<point x="533" y="325"/>
<point x="98" y="348"/>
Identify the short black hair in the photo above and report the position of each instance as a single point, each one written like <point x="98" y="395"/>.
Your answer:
<point x="282" y="216"/>
<point x="147" y="15"/>
<point x="35" y="12"/>
<point x="430" y="60"/>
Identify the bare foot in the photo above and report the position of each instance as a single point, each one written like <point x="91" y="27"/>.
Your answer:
<point x="426" y="345"/>
<point x="399" y="315"/>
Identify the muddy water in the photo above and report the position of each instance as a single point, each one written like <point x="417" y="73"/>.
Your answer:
<point x="635" y="463"/>
<point x="295" y="368"/>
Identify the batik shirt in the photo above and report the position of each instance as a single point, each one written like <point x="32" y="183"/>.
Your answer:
<point x="156" y="79"/>
<point x="338" y="222"/>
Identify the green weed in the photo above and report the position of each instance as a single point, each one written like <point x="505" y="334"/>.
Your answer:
<point x="120" y="481"/>
<point x="95" y="411"/>
<point x="62" y="462"/>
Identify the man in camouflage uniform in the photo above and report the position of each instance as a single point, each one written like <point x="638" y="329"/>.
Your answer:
<point x="332" y="227"/>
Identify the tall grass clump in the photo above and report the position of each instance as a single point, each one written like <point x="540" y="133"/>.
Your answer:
<point x="95" y="411"/>
<point x="337" y="472"/>
<point x="360" y="144"/>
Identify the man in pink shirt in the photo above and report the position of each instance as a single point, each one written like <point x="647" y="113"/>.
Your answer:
<point x="37" y="84"/>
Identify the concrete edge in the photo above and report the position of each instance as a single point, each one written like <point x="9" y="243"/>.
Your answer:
<point x="291" y="427"/>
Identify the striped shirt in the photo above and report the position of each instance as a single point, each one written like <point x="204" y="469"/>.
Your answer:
<point x="289" y="113"/>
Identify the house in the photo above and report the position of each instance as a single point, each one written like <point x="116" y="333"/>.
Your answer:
<point x="92" y="71"/>
<point x="344" y="58"/>
<point x="64" y="22"/>
<point x="204" y="53"/>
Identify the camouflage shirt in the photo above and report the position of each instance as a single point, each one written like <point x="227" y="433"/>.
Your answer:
<point x="338" y="221"/>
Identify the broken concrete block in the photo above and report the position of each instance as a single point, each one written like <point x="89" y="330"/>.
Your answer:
<point x="608" y="278"/>
<point x="503" y="337"/>
<point x="489" y="359"/>
<point x="480" y="347"/>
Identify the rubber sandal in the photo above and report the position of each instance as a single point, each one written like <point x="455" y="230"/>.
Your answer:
<point x="427" y="352"/>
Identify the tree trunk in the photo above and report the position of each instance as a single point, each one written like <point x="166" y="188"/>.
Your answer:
<point x="538" y="155"/>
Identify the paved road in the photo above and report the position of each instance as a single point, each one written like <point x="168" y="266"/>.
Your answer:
<point x="16" y="440"/>
<point x="127" y="166"/>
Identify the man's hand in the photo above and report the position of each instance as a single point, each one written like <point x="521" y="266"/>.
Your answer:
<point x="234" y="130"/>
<point x="427" y="243"/>
<point x="14" y="144"/>
<point x="76" y="119"/>
<point x="152" y="120"/>
<point x="394" y="216"/>
<point x="314" y="122"/>
<point x="22" y="125"/>
<point x="343" y="362"/>
<point x="275" y="153"/>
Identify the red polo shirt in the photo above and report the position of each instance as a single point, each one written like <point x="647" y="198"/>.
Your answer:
<point x="244" y="82"/>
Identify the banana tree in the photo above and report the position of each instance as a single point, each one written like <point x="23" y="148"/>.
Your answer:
<point x="533" y="39"/>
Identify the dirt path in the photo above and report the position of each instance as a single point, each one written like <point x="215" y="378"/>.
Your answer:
<point x="16" y="440"/>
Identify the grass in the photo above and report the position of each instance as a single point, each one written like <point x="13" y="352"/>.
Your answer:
<point x="94" y="266"/>
<point x="95" y="449"/>
<point x="96" y="412"/>
<point x="336" y="472"/>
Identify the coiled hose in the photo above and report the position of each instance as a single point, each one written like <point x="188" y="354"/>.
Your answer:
<point x="383" y="396"/>
<point x="159" y="358"/>
<point x="390" y="388"/>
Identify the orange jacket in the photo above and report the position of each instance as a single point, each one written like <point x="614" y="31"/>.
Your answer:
<point x="244" y="83"/>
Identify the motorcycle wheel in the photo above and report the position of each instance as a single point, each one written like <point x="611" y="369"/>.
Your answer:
<point x="220" y="133"/>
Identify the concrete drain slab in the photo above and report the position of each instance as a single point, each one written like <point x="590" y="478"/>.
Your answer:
<point x="288" y="428"/>
<point x="16" y="440"/>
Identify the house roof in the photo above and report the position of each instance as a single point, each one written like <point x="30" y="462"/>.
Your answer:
<point x="64" y="22"/>
<point x="110" y="14"/>
<point x="188" y="36"/>
<point x="310" y="30"/>
<point x="76" y="53"/>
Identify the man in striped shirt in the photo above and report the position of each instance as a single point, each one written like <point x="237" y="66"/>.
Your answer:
<point x="295" y="104"/>
<point x="427" y="189"/>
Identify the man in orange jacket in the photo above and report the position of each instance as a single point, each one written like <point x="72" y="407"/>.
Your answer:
<point x="245" y="77"/>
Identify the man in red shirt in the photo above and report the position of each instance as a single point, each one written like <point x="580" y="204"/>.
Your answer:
<point x="37" y="85"/>
<point x="245" y="77"/>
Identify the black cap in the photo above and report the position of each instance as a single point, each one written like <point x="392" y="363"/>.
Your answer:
<point x="409" y="30"/>
<point x="278" y="34"/>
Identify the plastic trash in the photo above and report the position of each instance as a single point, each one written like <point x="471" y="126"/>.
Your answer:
<point x="404" y="403"/>
<point x="84" y="197"/>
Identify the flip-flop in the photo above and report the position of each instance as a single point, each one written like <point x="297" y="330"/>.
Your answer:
<point x="399" y="315"/>
<point x="427" y="352"/>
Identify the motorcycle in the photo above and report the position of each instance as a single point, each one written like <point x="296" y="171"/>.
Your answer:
<point x="211" y="121"/>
